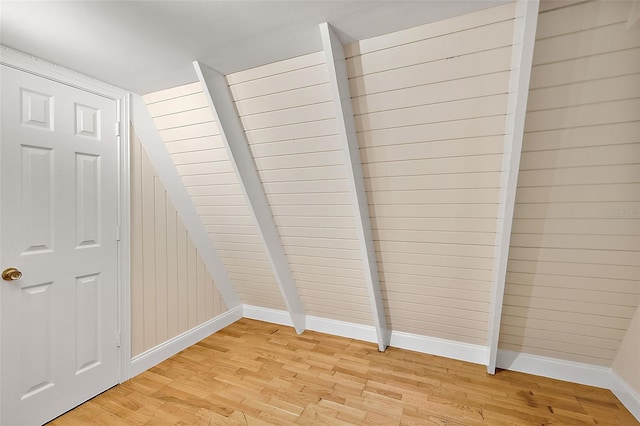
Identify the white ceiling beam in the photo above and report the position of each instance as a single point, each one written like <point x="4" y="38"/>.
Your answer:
<point x="155" y="148"/>
<point x="232" y="133"/>
<point x="521" y="61"/>
<point x="338" y="80"/>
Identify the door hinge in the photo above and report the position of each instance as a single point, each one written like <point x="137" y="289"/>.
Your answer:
<point x="117" y="233"/>
<point x="118" y="339"/>
<point x="117" y="128"/>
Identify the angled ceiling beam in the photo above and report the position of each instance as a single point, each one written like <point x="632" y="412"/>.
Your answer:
<point x="338" y="79"/>
<point x="521" y="61"/>
<point x="148" y="134"/>
<point x="232" y="132"/>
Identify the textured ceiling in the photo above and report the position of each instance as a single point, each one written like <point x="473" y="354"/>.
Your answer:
<point x="144" y="46"/>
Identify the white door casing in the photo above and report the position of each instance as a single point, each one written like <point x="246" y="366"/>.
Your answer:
<point x="59" y="193"/>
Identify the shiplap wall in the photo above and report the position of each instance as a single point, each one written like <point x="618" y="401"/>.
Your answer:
<point x="573" y="280"/>
<point x="289" y="119"/>
<point x="429" y="105"/>
<point x="171" y="288"/>
<point x="186" y="124"/>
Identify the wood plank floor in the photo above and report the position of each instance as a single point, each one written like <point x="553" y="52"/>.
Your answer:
<point x="258" y="373"/>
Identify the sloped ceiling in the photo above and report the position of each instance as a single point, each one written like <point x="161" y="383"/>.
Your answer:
<point x="145" y="46"/>
<point x="429" y="161"/>
<point x="428" y="106"/>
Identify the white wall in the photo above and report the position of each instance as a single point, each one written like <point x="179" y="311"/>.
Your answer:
<point x="573" y="279"/>
<point x="171" y="289"/>
<point x="430" y="105"/>
<point x="290" y="123"/>
<point x="192" y="138"/>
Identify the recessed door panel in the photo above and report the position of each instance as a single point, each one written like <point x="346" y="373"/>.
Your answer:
<point x="37" y="109"/>
<point x="88" y="331"/>
<point x="88" y="121"/>
<point x="37" y="199"/>
<point x="87" y="200"/>
<point x="35" y="348"/>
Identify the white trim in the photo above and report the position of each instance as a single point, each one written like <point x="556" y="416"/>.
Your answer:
<point x="350" y="330"/>
<point x="554" y="368"/>
<point x="524" y="34"/>
<point x="124" y="261"/>
<point x="155" y="148"/>
<point x="413" y="342"/>
<point x="440" y="347"/>
<point x="163" y="351"/>
<point x="274" y="316"/>
<point x="339" y="84"/>
<point x="51" y="71"/>
<point x="237" y="147"/>
<point x="628" y="396"/>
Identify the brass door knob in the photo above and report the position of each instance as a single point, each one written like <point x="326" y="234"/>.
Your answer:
<point x="11" y="274"/>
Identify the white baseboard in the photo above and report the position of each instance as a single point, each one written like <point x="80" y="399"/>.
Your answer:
<point x="428" y="345"/>
<point x="350" y="330"/>
<point x="319" y="324"/>
<point x="628" y="396"/>
<point x="156" y="355"/>
<point x="554" y="368"/>
<point x="441" y="347"/>
<point x="274" y="316"/>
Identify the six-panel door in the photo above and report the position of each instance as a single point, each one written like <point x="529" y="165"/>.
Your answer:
<point x="58" y="322"/>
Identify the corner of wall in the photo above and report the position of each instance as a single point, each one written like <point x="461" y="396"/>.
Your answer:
<point x="625" y="371"/>
<point x="586" y="374"/>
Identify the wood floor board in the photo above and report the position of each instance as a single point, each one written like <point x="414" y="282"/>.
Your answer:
<point x="257" y="373"/>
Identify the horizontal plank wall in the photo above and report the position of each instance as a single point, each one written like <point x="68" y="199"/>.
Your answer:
<point x="430" y="105"/>
<point x="235" y="141"/>
<point x="573" y="278"/>
<point x="171" y="288"/>
<point x="186" y="124"/>
<point x="288" y="115"/>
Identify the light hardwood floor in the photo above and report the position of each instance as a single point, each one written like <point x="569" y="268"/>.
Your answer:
<point x="256" y="373"/>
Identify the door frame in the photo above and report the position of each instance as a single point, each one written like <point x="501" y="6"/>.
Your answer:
<point x="24" y="62"/>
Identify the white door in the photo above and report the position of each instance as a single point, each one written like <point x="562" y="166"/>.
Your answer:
<point x="58" y="322"/>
